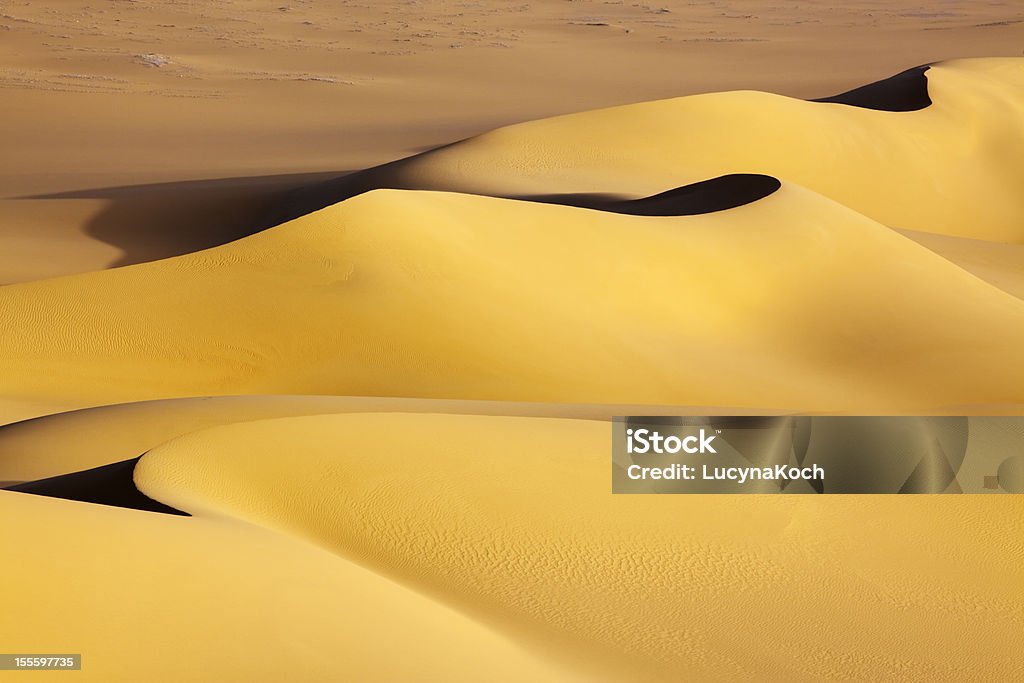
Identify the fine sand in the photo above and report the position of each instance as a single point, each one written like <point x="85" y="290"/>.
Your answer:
<point x="417" y="524"/>
<point x="139" y="130"/>
<point x="455" y="296"/>
<point x="313" y="317"/>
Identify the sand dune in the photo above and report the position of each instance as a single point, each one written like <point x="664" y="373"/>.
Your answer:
<point x="160" y="597"/>
<point x="906" y="91"/>
<point x="998" y="263"/>
<point x="109" y="484"/>
<point x="417" y="294"/>
<point x="936" y="170"/>
<point x="638" y="587"/>
<point x="83" y="439"/>
<point x="266" y="417"/>
<point x="587" y="586"/>
<point x="170" y="93"/>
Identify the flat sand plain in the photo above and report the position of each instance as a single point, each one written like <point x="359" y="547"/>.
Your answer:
<point x="376" y="377"/>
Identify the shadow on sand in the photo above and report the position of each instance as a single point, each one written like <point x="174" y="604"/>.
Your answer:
<point x="112" y="485"/>
<point x="150" y="222"/>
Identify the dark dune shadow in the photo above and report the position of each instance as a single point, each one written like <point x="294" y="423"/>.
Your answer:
<point x="304" y="200"/>
<point x="156" y="221"/>
<point x="707" y="196"/>
<point x="906" y="91"/>
<point x="150" y="222"/>
<point x="111" y="485"/>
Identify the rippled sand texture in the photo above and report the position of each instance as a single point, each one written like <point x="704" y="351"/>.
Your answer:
<point x="355" y="426"/>
<point x="490" y="547"/>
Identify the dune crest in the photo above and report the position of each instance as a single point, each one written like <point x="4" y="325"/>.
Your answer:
<point x="906" y="91"/>
<point x="783" y="302"/>
<point x="935" y="169"/>
<point x="529" y="541"/>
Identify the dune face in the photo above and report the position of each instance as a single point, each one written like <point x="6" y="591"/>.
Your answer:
<point x="933" y="170"/>
<point x="90" y="438"/>
<point x="708" y="196"/>
<point x="377" y="492"/>
<point x="218" y="599"/>
<point x="314" y="319"/>
<point x="599" y="574"/>
<point x="520" y="301"/>
<point x="105" y="485"/>
<point x="906" y="91"/>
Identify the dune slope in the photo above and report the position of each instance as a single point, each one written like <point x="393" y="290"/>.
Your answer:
<point x="510" y="520"/>
<point x="148" y="596"/>
<point x="785" y="302"/>
<point x="83" y="439"/>
<point x="950" y="167"/>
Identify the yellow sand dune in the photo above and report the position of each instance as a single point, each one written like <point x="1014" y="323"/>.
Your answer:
<point x="163" y="93"/>
<point x="388" y="418"/>
<point x="146" y="596"/>
<point x="951" y="168"/>
<point x="793" y="302"/>
<point x="511" y="520"/>
<point x="83" y="439"/>
<point x="999" y="264"/>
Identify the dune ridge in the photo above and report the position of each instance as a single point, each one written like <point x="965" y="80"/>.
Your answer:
<point x="66" y="442"/>
<point x="936" y="169"/>
<point x="629" y="585"/>
<point x="110" y="484"/>
<point x="906" y="91"/>
<point x="535" y="303"/>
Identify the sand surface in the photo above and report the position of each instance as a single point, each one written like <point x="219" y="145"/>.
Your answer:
<point x="777" y="577"/>
<point x="146" y="129"/>
<point x="219" y="599"/>
<point x="455" y="296"/>
<point x="357" y="287"/>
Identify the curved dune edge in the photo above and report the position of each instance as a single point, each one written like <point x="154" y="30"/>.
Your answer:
<point x="201" y="599"/>
<point x="82" y="439"/>
<point x="935" y="170"/>
<point x="1001" y="265"/>
<point x="906" y="91"/>
<point x="707" y="196"/>
<point x="787" y="304"/>
<point x="110" y="484"/>
<point x="722" y="588"/>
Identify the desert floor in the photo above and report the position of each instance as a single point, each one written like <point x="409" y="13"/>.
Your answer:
<point x="329" y="306"/>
